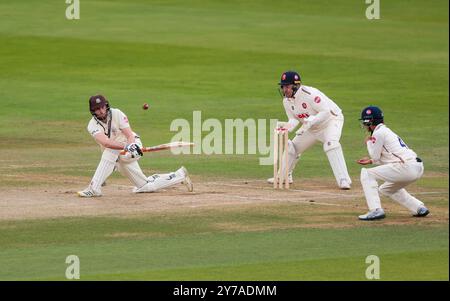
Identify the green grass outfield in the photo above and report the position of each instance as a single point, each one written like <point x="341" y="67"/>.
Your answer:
<point x="223" y="58"/>
<point x="195" y="247"/>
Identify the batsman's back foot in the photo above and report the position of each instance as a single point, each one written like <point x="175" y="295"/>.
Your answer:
<point x="187" y="180"/>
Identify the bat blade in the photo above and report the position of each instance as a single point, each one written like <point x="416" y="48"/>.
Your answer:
<point x="167" y="146"/>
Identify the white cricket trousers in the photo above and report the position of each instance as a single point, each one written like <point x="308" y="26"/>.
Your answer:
<point x="396" y="176"/>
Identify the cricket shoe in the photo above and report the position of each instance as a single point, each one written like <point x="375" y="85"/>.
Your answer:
<point x="88" y="193"/>
<point x="373" y="215"/>
<point x="291" y="180"/>
<point x="422" y="211"/>
<point x="344" y="185"/>
<point x="187" y="180"/>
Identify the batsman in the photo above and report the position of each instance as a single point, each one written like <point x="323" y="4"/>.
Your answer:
<point x="322" y="121"/>
<point x="111" y="129"/>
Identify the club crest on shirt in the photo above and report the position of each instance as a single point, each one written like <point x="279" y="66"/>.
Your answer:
<point x="304" y="105"/>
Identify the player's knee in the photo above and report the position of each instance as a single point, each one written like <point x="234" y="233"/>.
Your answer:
<point x="331" y="144"/>
<point x="386" y="190"/>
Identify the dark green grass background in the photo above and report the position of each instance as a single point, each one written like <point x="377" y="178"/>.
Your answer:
<point x="223" y="58"/>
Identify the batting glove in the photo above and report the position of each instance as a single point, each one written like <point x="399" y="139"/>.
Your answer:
<point x="134" y="150"/>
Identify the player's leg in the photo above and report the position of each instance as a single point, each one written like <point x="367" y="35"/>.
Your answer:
<point x="402" y="197"/>
<point x="133" y="172"/>
<point x="296" y="147"/>
<point x="396" y="181"/>
<point x="333" y="150"/>
<point x="103" y="171"/>
<point x="157" y="182"/>
<point x="156" y="175"/>
<point x="370" y="188"/>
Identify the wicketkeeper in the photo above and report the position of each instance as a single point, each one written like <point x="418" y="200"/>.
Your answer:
<point x="111" y="130"/>
<point x="322" y="121"/>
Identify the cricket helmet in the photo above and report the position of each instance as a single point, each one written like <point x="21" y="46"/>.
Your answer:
<point x="290" y="78"/>
<point x="371" y="115"/>
<point x="96" y="102"/>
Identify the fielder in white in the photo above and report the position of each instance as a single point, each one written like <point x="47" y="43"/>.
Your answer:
<point x="111" y="130"/>
<point x="399" y="167"/>
<point x="322" y="120"/>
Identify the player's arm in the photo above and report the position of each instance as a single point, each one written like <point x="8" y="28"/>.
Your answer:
<point x="129" y="134"/>
<point x="106" y="142"/>
<point x="292" y="120"/>
<point x="374" y="145"/>
<point x="125" y="128"/>
<point x="319" y="103"/>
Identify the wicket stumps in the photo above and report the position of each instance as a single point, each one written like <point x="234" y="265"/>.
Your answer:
<point x="280" y="159"/>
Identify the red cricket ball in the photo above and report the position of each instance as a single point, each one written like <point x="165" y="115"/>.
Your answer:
<point x="145" y="106"/>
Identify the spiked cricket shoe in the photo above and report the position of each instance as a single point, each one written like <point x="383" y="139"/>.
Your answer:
<point x="422" y="211"/>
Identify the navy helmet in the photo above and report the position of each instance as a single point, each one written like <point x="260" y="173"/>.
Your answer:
<point x="371" y="115"/>
<point x="290" y="78"/>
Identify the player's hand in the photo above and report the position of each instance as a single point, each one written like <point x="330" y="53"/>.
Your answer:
<point x="310" y="121"/>
<point x="364" y="161"/>
<point x="134" y="150"/>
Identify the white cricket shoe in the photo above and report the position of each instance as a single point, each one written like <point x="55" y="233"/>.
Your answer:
<point x="291" y="180"/>
<point x="373" y="215"/>
<point x="88" y="193"/>
<point x="187" y="180"/>
<point x="344" y="185"/>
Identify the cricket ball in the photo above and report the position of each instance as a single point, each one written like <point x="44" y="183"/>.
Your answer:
<point x="145" y="106"/>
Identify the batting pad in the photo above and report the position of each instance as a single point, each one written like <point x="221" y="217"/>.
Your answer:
<point x="104" y="169"/>
<point x="292" y="158"/>
<point x="337" y="162"/>
<point x="133" y="172"/>
<point x="164" y="181"/>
